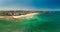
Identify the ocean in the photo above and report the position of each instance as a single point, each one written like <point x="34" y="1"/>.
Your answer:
<point x="41" y="22"/>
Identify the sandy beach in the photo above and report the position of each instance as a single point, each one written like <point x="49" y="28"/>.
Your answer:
<point x="21" y="16"/>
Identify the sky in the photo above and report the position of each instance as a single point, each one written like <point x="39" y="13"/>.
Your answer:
<point x="30" y="4"/>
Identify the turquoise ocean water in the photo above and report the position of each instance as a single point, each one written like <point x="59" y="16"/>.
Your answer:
<point x="41" y="22"/>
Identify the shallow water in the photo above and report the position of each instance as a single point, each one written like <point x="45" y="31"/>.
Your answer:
<point x="42" y="22"/>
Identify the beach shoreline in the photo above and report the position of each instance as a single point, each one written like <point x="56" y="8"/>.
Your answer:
<point x="16" y="17"/>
